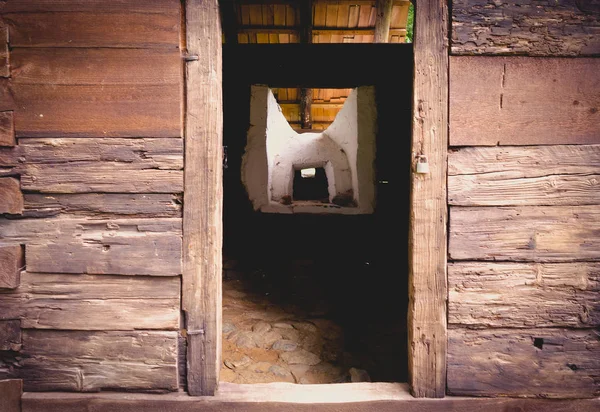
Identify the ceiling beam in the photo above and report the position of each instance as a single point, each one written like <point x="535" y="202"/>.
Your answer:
<point x="317" y="30"/>
<point x="383" y="18"/>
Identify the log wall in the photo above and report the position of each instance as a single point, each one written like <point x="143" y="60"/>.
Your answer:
<point x="91" y="182"/>
<point x="523" y="176"/>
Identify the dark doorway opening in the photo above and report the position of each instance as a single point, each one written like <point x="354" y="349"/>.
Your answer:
<point x="334" y="286"/>
<point x="311" y="184"/>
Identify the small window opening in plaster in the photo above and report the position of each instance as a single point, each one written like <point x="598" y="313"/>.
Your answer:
<point x="311" y="186"/>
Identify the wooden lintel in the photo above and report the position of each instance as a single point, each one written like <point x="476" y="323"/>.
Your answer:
<point x="383" y="19"/>
<point x="427" y="325"/>
<point x="295" y="2"/>
<point x="316" y="105"/>
<point x="203" y="197"/>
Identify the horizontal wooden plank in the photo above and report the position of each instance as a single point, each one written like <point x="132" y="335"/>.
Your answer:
<point x="547" y="363"/>
<point x="539" y="234"/>
<point x="103" y="66"/>
<point x="11" y="197"/>
<point x="524" y="295"/>
<point x="10" y="335"/>
<point x="12" y="262"/>
<point x="94" y="110"/>
<point x="4" y="52"/>
<point x="7" y="129"/>
<point x="530" y="175"/>
<point x="93" y="27"/>
<point x="91" y="361"/>
<point x="540" y="28"/>
<point x="11" y="391"/>
<point x="104" y="205"/>
<point x="513" y="101"/>
<point x="87" y="302"/>
<point x="116" y="246"/>
<point x="67" y="165"/>
<point x="289" y="397"/>
<point x="170" y="7"/>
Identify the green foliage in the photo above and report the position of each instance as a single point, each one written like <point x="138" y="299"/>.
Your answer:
<point x="410" y="23"/>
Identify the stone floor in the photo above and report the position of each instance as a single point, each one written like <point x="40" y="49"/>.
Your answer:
<point x="269" y="338"/>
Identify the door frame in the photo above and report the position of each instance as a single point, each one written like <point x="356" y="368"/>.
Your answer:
<point x="203" y="199"/>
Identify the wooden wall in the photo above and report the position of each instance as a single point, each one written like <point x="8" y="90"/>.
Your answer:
<point x="523" y="193"/>
<point x="91" y="176"/>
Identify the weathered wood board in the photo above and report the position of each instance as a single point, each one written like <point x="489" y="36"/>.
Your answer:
<point x="140" y="25"/>
<point x="10" y="335"/>
<point x="524" y="295"/>
<point x="428" y="231"/>
<point x="97" y="66"/>
<point x="103" y="205"/>
<point x="67" y="165"/>
<point x="11" y="391"/>
<point x="548" y="363"/>
<point x="116" y="246"/>
<point x="534" y="28"/>
<point x="539" y="234"/>
<point x="86" y="302"/>
<point x="11" y="197"/>
<point x="90" y="361"/>
<point x="203" y="198"/>
<point x="7" y="129"/>
<point x="12" y="262"/>
<point x="524" y="101"/>
<point x="94" y="110"/>
<point x="4" y="52"/>
<point x="524" y="176"/>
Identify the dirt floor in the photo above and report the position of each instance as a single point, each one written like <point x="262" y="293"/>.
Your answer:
<point x="289" y="331"/>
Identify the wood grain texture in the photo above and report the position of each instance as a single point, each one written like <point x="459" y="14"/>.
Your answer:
<point x="12" y="261"/>
<point x="524" y="295"/>
<point x="546" y="363"/>
<point x="95" y="246"/>
<point x="203" y="197"/>
<point x="96" y="165"/>
<point x="97" y="66"/>
<point x="7" y="129"/>
<point x="382" y="21"/>
<point x="181" y="402"/>
<point x="95" y="110"/>
<point x="117" y="28"/>
<point x="524" y="176"/>
<point x="168" y="7"/>
<point x="538" y="234"/>
<point x="11" y="197"/>
<point x="103" y="205"/>
<point x="87" y="302"/>
<point x="10" y="335"/>
<point x="4" y="51"/>
<point x="524" y="101"/>
<point x="85" y="361"/>
<point x="11" y="391"/>
<point x="534" y="28"/>
<point x="428" y="205"/>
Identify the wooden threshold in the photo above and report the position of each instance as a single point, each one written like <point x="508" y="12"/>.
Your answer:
<point x="284" y="397"/>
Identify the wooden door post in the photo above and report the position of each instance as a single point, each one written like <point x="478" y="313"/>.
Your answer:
<point x="203" y="196"/>
<point x="427" y="324"/>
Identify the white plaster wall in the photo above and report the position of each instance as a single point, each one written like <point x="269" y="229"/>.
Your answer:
<point x="346" y="150"/>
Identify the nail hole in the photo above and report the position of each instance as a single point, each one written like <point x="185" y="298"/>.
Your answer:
<point x="538" y="343"/>
<point x="105" y="248"/>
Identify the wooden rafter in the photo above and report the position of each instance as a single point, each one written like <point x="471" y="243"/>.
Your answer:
<point x="306" y="35"/>
<point x="383" y="19"/>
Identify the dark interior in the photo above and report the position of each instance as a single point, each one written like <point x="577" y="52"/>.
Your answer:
<point x="354" y="269"/>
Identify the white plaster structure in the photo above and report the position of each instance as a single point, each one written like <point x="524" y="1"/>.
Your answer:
<point x="346" y="151"/>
